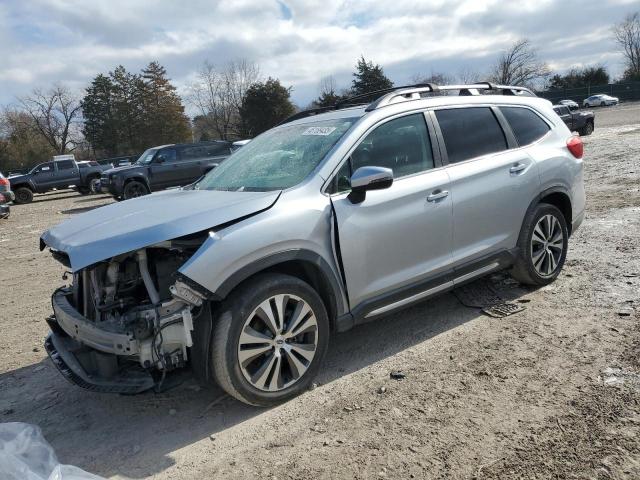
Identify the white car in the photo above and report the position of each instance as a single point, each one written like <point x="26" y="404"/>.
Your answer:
<point x="600" y="101"/>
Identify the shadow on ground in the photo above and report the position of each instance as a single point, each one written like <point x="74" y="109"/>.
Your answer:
<point x="142" y="431"/>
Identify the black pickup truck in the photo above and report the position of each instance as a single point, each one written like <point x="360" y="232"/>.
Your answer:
<point x="577" y="120"/>
<point x="62" y="172"/>
<point x="163" y="167"/>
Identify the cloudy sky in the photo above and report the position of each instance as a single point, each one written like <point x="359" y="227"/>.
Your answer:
<point x="297" y="41"/>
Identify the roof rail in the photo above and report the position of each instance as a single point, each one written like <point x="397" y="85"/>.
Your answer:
<point x="414" y="92"/>
<point x="407" y="93"/>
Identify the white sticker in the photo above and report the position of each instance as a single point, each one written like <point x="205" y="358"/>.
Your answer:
<point x="324" y="131"/>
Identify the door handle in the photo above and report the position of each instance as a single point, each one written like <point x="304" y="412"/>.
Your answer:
<point x="437" y="195"/>
<point x="517" y="168"/>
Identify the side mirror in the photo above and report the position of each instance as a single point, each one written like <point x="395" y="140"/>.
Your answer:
<point x="369" y="178"/>
<point x="158" y="159"/>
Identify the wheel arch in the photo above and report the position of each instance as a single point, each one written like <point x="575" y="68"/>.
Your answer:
<point x="303" y="264"/>
<point x="136" y="178"/>
<point x="557" y="196"/>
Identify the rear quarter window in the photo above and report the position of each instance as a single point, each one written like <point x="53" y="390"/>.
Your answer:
<point x="526" y="125"/>
<point x="470" y="132"/>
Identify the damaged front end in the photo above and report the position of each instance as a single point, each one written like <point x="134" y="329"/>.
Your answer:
<point x="126" y="321"/>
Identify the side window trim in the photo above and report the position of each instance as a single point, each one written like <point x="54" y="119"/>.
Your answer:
<point x="442" y="150"/>
<point x="435" y="148"/>
<point x="506" y="128"/>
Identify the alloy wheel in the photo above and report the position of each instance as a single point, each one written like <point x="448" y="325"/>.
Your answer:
<point x="547" y="244"/>
<point x="278" y="342"/>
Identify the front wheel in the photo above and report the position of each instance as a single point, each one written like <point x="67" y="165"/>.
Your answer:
<point x="587" y="129"/>
<point x="23" y="195"/>
<point x="542" y="246"/>
<point x="134" y="189"/>
<point x="269" y="339"/>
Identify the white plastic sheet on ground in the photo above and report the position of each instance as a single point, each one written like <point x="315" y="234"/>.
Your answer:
<point x="26" y="455"/>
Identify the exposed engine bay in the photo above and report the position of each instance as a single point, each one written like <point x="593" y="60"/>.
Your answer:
<point x="131" y="308"/>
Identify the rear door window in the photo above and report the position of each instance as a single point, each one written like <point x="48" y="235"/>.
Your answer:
<point x="65" y="164"/>
<point x="526" y="125"/>
<point x="470" y="132"/>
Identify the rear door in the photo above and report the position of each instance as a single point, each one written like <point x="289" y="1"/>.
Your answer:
<point x="66" y="174"/>
<point x="492" y="180"/>
<point x="399" y="237"/>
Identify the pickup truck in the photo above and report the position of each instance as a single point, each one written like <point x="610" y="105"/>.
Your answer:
<point x="62" y="172"/>
<point x="163" y="167"/>
<point x="577" y="120"/>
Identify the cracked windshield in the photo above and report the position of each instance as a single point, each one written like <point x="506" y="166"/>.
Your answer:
<point x="278" y="159"/>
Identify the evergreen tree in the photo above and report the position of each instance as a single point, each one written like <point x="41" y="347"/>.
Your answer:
<point x="369" y="78"/>
<point x="327" y="99"/>
<point x="164" y="118"/>
<point x="264" y="106"/>
<point x="100" y="127"/>
<point x="127" y="113"/>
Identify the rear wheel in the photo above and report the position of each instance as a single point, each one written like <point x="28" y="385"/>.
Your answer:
<point x="269" y="339"/>
<point x="542" y="246"/>
<point x="134" y="189"/>
<point x="23" y="195"/>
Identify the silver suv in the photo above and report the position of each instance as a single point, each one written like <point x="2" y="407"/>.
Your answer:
<point x="334" y="218"/>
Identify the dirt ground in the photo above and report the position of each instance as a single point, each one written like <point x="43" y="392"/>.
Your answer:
<point x="526" y="396"/>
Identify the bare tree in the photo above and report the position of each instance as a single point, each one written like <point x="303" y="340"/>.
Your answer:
<point x="218" y="94"/>
<point x="468" y="76"/>
<point x="519" y="66"/>
<point x="627" y="35"/>
<point x="327" y="86"/>
<point x="55" y="114"/>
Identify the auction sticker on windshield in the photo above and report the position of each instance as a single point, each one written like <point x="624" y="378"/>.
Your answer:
<point x="324" y="131"/>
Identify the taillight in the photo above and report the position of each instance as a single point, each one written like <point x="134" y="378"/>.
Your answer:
<point x="4" y="181"/>
<point x="575" y="146"/>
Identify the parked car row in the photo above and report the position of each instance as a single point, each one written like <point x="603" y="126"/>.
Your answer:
<point x="125" y="177"/>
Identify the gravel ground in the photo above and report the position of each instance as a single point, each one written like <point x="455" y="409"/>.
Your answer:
<point x="550" y="392"/>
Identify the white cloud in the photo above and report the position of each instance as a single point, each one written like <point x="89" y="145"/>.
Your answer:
<point x="46" y="41"/>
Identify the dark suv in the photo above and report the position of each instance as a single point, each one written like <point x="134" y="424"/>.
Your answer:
<point x="163" y="167"/>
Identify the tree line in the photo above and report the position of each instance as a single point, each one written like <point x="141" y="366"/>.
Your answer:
<point x="123" y="112"/>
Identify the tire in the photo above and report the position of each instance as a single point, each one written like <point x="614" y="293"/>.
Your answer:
<point x="84" y="190"/>
<point x="94" y="185"/>
<point x="134" y="189"/>
<point x="602" y="104"/>
<point x="587" y="129"/>
<point x="539" y="261"/>
<point x="279" y="371"/>
<point x="23" y="195"/>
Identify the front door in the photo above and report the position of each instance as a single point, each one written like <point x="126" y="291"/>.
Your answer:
<point x="400" y="237"/>
<point x="164" y="169"/>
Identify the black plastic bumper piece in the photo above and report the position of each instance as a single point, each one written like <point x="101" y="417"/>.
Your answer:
<point x="63" y="349"/>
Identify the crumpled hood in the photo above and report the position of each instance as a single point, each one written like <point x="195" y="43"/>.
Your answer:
<point x="126" y="226"/>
